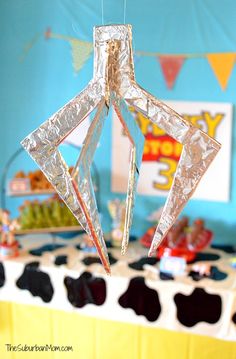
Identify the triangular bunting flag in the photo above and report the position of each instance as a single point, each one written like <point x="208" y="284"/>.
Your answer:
<point x="171" y="66"/>
<point x="222" y="65"/>
<point x="81" y="51"/>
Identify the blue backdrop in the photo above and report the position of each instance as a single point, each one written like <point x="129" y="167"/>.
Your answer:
<point x="32" y="89"/>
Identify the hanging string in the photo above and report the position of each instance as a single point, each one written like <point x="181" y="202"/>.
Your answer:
<point x="124" y="11"/>
<point x="102" y="12"/>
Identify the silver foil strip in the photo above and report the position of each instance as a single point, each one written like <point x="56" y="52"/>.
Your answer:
<point x="137" y="143"/>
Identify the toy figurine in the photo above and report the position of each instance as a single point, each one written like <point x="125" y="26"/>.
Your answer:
<point x="203" y="269"/>
<point x="9" y="245"/>
<point x="182" y="240"/>
<point x="176" y="232"/>
<point x="116" y="209"/>
<point x="196" y="235"/>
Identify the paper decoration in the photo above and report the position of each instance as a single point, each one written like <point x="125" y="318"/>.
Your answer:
<point x="162" y="153"/>
<point x="222" y="65"/>
<point x="114" y="83"/>
<point x="81" y="51"/>
<point x="171" y="66"/>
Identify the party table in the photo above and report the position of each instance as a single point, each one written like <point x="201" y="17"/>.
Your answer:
<point x="59" y="297"/>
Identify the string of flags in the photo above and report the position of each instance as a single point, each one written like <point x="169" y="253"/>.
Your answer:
<point x="80" y="50"/>
<point x="221" y="63"/>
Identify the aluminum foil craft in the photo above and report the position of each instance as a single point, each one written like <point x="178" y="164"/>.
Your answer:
<point x="113" y="84"/>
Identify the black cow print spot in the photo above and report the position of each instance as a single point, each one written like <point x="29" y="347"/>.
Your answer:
<point x="88" y="261"/>
<point x="138" y="265"/>
<point x="109" y="244"/>
<point x="2" y="275"/>
<point x="60" y="260"/>
<point x="234" y="318"/>
<point x="196" y="276"/>
<point x="224" y="248"/>
<point x="92" y="260"/>
<point x="142" y="299"/>
<point x="166" y="276"/>
<point x="201" y="257"/>
<point x="215" y="274"/>
<point x="112" y="259"/>
<point x="38" y="252"/>
<point x="199" y="306"/>
<point x="86" y="289"/>
<point x="36" y="282"/>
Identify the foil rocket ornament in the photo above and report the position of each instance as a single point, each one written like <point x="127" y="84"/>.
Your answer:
<point x="113" y="83"/>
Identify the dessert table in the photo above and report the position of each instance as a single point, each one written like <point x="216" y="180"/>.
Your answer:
<point x="57" y="294"/>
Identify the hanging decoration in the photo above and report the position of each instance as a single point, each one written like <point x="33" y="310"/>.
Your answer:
<point x="171" y="66"/>
<point x="81" y="51"/>
<point x="114" y="84"/>
<point x="222" y="66"/>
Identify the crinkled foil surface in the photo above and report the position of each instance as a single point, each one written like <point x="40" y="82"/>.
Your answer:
<point x="113" y="83"/>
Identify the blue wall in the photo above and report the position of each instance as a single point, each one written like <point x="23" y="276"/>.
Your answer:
<point x="34" y="89"/>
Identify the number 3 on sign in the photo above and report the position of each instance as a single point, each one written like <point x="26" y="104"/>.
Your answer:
<point x="167" y="173"/>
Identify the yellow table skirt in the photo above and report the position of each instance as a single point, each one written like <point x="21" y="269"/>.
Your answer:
<point x="93" y="338"/>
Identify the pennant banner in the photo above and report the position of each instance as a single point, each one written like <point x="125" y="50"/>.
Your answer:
<point x="222" y="65"/>
<point x="81" y="51"/>
<point x="171" y="66"/>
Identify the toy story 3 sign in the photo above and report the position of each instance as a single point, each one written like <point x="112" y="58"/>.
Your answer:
<point x="162" y="153"/>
